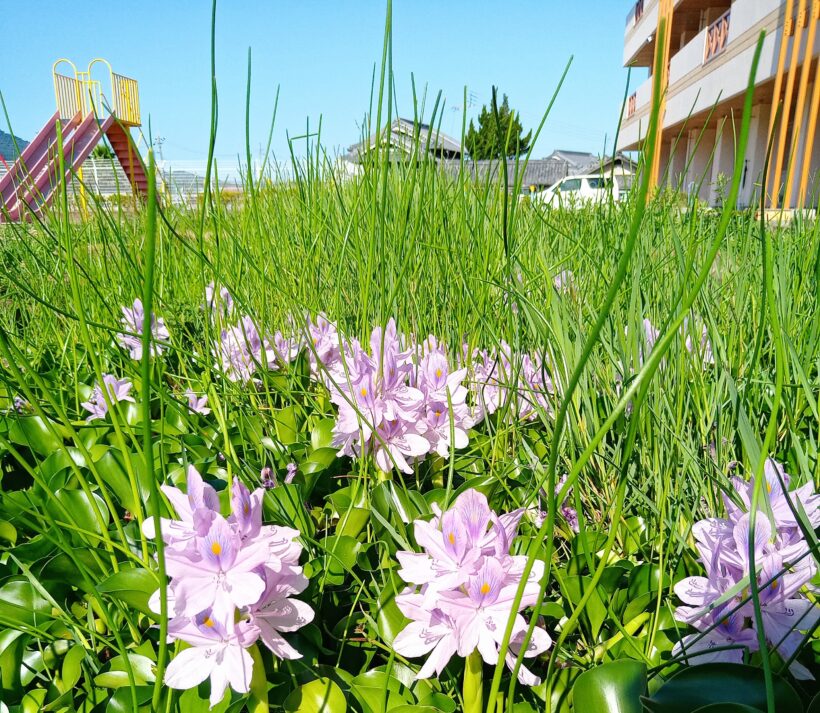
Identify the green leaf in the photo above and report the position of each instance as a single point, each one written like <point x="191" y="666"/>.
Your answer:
<point x="80" y="508"/>
<point x="728" y="708"/>
<point x="8" y="532"/>
<point x="33" y="432"/>
<point x="378" y="692"/>
<point x="132" y="586"/>
<point x="615" y="687"/>
<point x="72" y="667"/>
<point x="694" y="687"/>
<point x="120" y="702"/>
<point x="322" y="434"/>
<point x="318" y="696"/>
<point x="20" y="602"/>
<point x="287" y="430"/>
<point x="117" y="676"/>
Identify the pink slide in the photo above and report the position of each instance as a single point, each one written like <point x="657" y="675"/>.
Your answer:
<point x="34" y="177"/>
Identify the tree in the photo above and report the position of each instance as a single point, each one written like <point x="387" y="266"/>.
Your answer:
<point x="497" y="136"/>
<point x="102" y="150"/>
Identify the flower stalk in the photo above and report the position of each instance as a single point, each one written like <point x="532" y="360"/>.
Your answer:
<point x="473" y="683"/>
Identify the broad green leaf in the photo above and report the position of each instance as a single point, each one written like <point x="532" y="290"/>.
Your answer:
<point x="614" y="687"/>
<point x="32" y="431"/>
<point x="318" y="696"/>
<point x="728" y="708"/>
<point x="121" y="701"/>
<point x="8" y="533"/>
<point x="72" y="666"/>
<point x="20" y="602"/>
<point x="694" y="687"/>
<point x="132" y="586"/>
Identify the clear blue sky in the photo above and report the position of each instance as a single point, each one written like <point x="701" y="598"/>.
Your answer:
<point x="322" y="55"/>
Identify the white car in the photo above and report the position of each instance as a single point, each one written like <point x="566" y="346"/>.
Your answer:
<point x="576" y="191"/>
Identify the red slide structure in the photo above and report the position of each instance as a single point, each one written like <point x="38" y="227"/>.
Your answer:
<point x="82" y="119"/>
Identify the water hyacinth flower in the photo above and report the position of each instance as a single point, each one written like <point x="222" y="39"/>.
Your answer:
<point x="242" y="350"/>
<point x="291" y="469"/>
<point x="116" y="389"/>
<point x="197" y="404"/>
<point x="391" y="406"/>
<point x="218" y="301"/>
<point x="783" y="567"/>
<point x="132" y="321"/>
<point x="231" y="583"/>
<point x="564" y="281"/>
<point x="462" y="587"/>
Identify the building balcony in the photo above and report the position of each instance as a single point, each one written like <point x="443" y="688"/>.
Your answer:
<point x="636" y="115"/>
<point x="639" y="35"/>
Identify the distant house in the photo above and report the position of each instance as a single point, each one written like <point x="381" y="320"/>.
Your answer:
<point x="408" y="139"/>
<point x="403" y="137"/>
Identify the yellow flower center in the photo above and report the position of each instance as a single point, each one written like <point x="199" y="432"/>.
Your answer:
<point x="485" y="588"/>
<point x="769" y="487"/>
<point x="452" y="538"/>
<point x="438" y="413"/>
<point x="216" y="548"/>
<point x="363" y="392"/>
<point x="209" y="622"/>
<point x="438" y="373"/>
<point x="775" y="584"/>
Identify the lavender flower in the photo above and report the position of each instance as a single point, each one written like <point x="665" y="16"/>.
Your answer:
<point x="783" y="567"/>
<point x="116" y="389"/>
<point x="132" y="321"/>
<point x="197" y="404"/>
<point x="242" y="350"/>
<point x="218" y="301"/>
<point x="268" y="478"/>
<point x="463" y="586"/>
<point x="291" y="474"/>
<point x="231" y="585"/>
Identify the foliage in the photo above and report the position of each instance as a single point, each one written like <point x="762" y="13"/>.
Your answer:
<point x="499" y="133"/>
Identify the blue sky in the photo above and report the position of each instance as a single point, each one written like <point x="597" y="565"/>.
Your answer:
<point x="322" y="55"/>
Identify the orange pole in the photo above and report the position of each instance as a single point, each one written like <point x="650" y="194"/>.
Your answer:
<point x="781" y="63"/>
<point x="664" y="20"/>
<point x="801" y="99"/>
<point x="787" y="106"/>
<point x="814" y="109"/>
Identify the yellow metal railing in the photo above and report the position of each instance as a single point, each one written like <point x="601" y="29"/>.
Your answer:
<point x="83" y="94"/>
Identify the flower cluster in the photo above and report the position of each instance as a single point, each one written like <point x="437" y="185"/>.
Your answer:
<point x="404" y="399"/>
<point x="516" y="384"/>
<point x="463" y="587"/>
<point x="397" y="403"/>
<point x="132" y="321"/>
<point x="782" y="563"/>
<point x="116" y="390"/>
<point x="242" y="349"/>
<point x="231" y="583"/>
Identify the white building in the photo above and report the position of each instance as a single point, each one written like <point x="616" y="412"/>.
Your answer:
<point x="707" y="60"/>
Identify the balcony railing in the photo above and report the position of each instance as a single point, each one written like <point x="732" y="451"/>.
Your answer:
<point x="635" y="13"/>
<point x="717" y="37"/>
<point x="631" y="105"/>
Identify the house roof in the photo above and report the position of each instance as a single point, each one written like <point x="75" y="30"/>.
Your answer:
<point x="403" y="136"/>
<point x="7" y="147"/>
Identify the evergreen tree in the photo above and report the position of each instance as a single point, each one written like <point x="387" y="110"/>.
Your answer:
<point x="494" y="138"/>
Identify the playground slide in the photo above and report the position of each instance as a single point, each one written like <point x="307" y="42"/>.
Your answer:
<point x="31" y="160"/>
<point x="120" y="139"/>
<point x="41" y="179"/>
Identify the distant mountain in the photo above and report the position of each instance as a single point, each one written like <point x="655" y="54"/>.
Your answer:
<point x="8" y="151"/>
